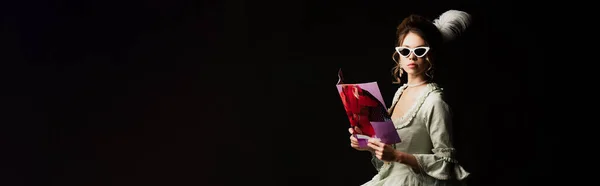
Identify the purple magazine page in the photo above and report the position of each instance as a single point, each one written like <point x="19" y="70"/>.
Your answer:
<point x="367" y="112"/>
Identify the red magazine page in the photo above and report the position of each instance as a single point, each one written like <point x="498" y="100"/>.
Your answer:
<point x="366" y="111"/>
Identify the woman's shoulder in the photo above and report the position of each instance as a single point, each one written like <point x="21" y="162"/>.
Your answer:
<point x="435" y="95"/>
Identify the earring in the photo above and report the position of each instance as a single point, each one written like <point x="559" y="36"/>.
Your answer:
<point x="400" y="72"/>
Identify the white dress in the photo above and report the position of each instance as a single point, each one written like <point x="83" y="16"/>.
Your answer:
<point x="425" y="133"/>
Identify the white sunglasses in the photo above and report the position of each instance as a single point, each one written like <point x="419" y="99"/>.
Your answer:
<point x="419" y="51"/>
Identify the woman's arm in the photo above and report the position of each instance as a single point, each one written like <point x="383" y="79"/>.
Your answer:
<point x="387" y="153"/>
<point x="442" y="164"/>
<point x="408" y="159"/>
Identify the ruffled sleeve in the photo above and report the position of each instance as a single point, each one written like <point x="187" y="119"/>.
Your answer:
<point x="442" y="164"/>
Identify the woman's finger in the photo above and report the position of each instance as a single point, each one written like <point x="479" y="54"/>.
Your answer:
<point x="373" y="146"/>
<point x="374" y="140"/>
<point x="377" y="147"/>
<point x="351" y="130"/>
<point x="379" y="144"/>
<point x="373" y="143"/>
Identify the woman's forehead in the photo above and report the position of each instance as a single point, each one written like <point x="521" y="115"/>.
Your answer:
<point x="413" y="40"/>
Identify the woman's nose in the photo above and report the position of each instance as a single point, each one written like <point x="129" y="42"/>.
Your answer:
<point x="412" y="56"/>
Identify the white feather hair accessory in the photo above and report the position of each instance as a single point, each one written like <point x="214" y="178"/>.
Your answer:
<point x="452" y="23"/>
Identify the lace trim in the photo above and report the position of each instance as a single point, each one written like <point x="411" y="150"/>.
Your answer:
<point x="412" y="112"/>
<point x="446" y="154"/>
<point x="396" y="96"/>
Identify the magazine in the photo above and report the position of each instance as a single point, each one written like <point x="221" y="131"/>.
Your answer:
<point x="366" y="112"/>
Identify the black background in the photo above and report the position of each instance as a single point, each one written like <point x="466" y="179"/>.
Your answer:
<point x="243" y="92"/>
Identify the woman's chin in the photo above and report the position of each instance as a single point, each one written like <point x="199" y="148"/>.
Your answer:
<point x="412" y="72"/>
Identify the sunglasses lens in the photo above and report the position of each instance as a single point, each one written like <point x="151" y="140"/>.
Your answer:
<point x="404" y="51"/>
<point x="420" y="51"/>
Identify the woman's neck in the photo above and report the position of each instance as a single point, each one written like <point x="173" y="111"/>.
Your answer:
<point x="415" y="80"/>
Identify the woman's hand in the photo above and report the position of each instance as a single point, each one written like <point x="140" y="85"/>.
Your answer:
<point x="384" y="151"/>
<point x="354" y="141"/>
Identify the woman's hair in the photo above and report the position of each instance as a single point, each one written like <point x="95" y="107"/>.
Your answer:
<point x="443" y="29"/>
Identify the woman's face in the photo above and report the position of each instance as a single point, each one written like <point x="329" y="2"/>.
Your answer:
<point x="409" y="54"/>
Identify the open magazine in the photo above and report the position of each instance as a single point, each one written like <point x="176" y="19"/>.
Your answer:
<point x="367" y="112"/>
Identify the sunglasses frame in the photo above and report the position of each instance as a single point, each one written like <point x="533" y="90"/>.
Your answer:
<point x="412" y="51"/>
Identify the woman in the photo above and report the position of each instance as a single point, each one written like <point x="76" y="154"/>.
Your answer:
<point x="421" y="117"/>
